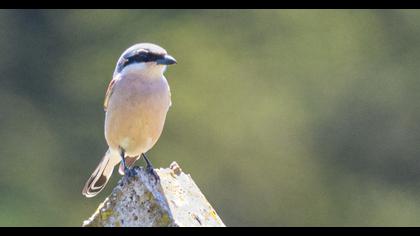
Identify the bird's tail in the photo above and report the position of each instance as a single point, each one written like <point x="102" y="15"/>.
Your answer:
<point x="101" y="175"/>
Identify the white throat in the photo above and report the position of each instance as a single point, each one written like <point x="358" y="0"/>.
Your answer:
<point x="150" y="69"/>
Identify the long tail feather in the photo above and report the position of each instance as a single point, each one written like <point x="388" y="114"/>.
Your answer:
<point x="100" y="176"/>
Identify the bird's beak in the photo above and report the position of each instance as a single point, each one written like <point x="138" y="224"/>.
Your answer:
<point x="166" y="60"/>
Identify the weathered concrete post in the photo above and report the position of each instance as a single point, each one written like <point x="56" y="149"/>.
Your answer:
<point x="140" y="201"/>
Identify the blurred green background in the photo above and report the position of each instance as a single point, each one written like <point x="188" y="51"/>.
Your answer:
<point x="282" y="117"/>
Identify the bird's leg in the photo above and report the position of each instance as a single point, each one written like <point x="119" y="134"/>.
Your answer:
<point x="127" y="171"/>
<point x="150" y="169"/>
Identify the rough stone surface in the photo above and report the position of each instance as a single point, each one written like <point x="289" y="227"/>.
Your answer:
<point x="141" y="201"/>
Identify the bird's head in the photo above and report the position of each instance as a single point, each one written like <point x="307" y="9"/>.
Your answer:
<point x="144" y="58"/>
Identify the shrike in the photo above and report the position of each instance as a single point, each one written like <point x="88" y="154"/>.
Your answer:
<point x="136" y="102"/>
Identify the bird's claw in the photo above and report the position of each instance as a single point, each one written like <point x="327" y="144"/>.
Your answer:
<point x="129" y="172"/>
<point x="154" y="174"/>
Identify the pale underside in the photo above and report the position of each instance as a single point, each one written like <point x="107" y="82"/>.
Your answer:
<point x="136" y="107"/>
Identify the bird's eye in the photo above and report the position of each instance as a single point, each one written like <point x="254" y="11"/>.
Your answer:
<point x="142" y="56"/>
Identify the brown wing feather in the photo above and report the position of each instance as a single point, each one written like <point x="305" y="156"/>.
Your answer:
<point x="109" y="93"/>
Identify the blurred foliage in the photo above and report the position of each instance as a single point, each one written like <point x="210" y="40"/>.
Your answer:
<point x="282" y="117"/>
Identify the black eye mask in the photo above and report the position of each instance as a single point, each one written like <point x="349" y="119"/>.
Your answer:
<point x="138" y="57"/>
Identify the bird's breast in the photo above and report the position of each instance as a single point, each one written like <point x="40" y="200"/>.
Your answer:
<point x="136" y="113"/>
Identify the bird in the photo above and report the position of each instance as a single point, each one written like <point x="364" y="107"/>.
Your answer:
<point x="136" y="104"/>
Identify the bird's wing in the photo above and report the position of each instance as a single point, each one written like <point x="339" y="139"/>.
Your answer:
<point x="109" y="92"/>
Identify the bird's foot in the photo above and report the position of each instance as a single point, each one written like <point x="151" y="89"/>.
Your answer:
<point x="153" y="173"/>
<point x="130" y="172"/>
<point x="150" y="169"/>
